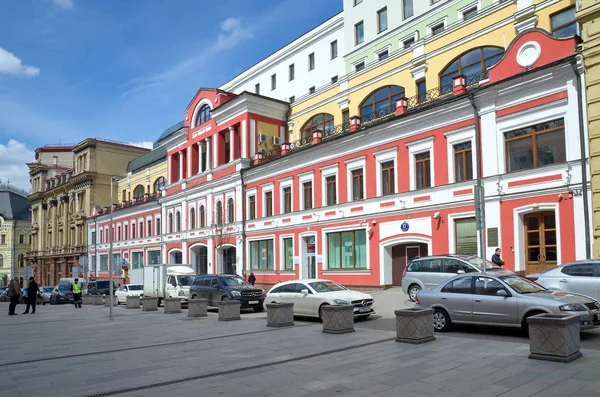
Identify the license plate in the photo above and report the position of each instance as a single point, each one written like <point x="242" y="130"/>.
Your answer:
<point x="364" y="309"/>
<point x="253" y="303"/>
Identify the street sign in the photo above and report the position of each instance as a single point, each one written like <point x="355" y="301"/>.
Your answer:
<point x="479" y="193"/>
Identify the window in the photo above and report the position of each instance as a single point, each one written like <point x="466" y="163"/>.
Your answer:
<point x="334" y="79"/>
<point x="381" y="102"/>
<point x="311" y="61"/>
<point x="227" y="149"/>
<point x="268" y="204"/>
<point x="437" y="29"/>
<point x="287" y="200"/>
<point x="154" y="257"/>
<point x="473" y="63"/>
<point x="311" y="90"/>
<point x="347" y="250"/>
<point x="382" y="22"/>
<point x="104" y="263"/>
<point x="357" y="184"/>
<point x="563" y="23"/>
<point x="536" y="146"/>
<point x="383" y="55"/>
<point x="582" y="270"/>
<point x="133" y="230"/>
<point x="93" y="238"/>
<point x="463" y="162"/>
<point x="3" y="239"/>
<point x="357" y="2"/>
<point x="203" y="115"/>
<point x="321" y="122"/>
<point x="331" y="189"/>
<point x="459" y="286"/>
<point x="137" y="260"/>
<point x="346" y="117"/>
<point x="158" y="227"/>
<point x="119" y="233"/>
<point x="178" y="221"/>
<point x="307" y="195"/>
<point x="273" y="82"/>
<point x="252" y="207"/>
<point x="261" y="255"/>
<point x="291" y="72"/>
<point x="422" y="90"/>
<point x="148" y="229"/>
<point x="257" y="88"/>
<point x="423" y="176"/>
<point x="230" y="211"/>
<point x="192" y="218"/>
<point x="159" y="184"/>
<point x="359" y="66"/>
<point x="202" y="216"/>
<point x="138" y="192"/>
<point x="288" y="254"/>
<point x="21" y="239"/>
<point x="466" y="236"/>
<point x="219" y="214"/>
<point x="470" y="13"/>
<point x="408" y="42"/>
<point x="359" y="33"/>
<point x="292" y="99"/>
<point x="407" y="8"/>
<point x="333" y="49"/>
<point x="387" y="178"/>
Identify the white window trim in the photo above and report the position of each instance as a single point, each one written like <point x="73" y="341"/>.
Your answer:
<point x="260" y="238"/>
<point x="430" y="26"/>
<point x="401" y="41"/>
<point x="264" y="202"/>
<point x="455" y="137"/>
<point x="287" y="182"/>
<point x="303" y="178"/>
<point x="348" y="228"/>
<point x="204" y="101"/>
<point x="282" y="252"/>
<point x="355" y="164"/>
<point x="417" y="147"/>
<point x="387" y="48"/>
<point x="225" y="207"/>
<point x="468" y="7"/>
<point x="382" y="157"/>
<point x="452" y="218"/>
<point x="356" y="63"/>
<point x="332" y="170"/>
<point x="249" y="193"/>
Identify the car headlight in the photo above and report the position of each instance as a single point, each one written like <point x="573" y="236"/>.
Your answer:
<point x="573" y="307"/>
<point x="236" y="293"/>
<point x="341" y="302"/>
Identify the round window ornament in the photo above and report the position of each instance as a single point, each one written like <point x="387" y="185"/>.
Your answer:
<point x="528" y="54"/>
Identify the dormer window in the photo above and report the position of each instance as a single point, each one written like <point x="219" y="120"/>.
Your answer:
<point x="204" y="114"/>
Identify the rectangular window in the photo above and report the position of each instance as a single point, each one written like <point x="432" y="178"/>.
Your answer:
<point x="93" y="264"/>
<point x="422" y="90"/>
<point x="536" y="146"/>
<point x="311" y="90"/>
<point x="273" y="82"/>
<point x="466" y="236"/>
<point x="3" y="239"/>
<point x="359" y="66"/>
<point x="334" y="79"/>
<point x="382" y="22"/>
<point x="347" y="250"/>
<point x="118" y="233"/>
<point x="288" y="253"/>
<point x="422" y="170"/>
<point x="252" y="207"/>
<point x="407" y="8"/>
<point x="257" y="88"/>
<point x="116" y="263"/>
<point x="357" y="184"/>
<point x="307" y="195"/>
<point x="158" y="227"/>
<point x="463" y="162"/>
<point x="141" y="231"/>
<point x="93" y="238"/>
<point x="21" y="239"/>
<point x="133" y="230"/>
<point x="346" y="117"/>
<point x="387" y="178"/>
<point x="292" y="99"/>
<point x="261" y="255"/>
<point x="311" y="61"/>
<point x="333" y="49"/>
<point x="269" y="204"/>
<point x="287" y="200"/>
<point x="359" y="33"/>
<point x="563" y="23"/>
<point x="470" y="13"/>
<point x="437" y="29"/>
<point x="331" y="190"/>
<point x="383" y="55"/>
<point x="126" y="232"/>
<point x="408" y="42"/>
<point x="104" y="263"/>
<point x="292" y="72"/>
<point x="137" y="260"/>
<point x="154" y="257"/>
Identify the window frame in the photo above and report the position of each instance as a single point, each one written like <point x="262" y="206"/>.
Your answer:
<point x="573" y="22"/>
<point x="202" y="216"/>
<point x="269" y="266"/>
<point x="193" y="218"/>
<point x="333" y="49"/>
<point x="385" y="156"/>
<point x="359" y="26"/>
<point x="460" y="67"/>
<point x="457" y="137"/>
<point x="405" y="14"/>
<point x="202" y="116"/>
<point x="328" y="253"/>
<point x="326" y="172"/>
<point x="418" y="147"/>
<point x="372" y="98"/>
<point x="252" y="206"/>
<point x="284" y="184"/>
<point x="351" y="166"/>
<point x="381" y="12"/>
<point x="291" y="72"/>
<point x="267" y="199"/>
<point x="284" y="264"/>
<point x="273" y="81"/>
<point x="230" y="210"/>
<point x="311" y="61"/>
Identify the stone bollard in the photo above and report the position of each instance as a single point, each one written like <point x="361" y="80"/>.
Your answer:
<point x="107" y="301"/>
<point x="133" y="302"/>
<point x="197" y="308"/>
<point x="172" y="305"/>
<point x="337" y="319"/>
<point x="97" y="300"/>
<point x="280" y="314"/>
<point x="149" y="304"/>
<point x="414" y="325"/>
<point x="87" y="299"/>
<point x="554" y="337"/>
<point x="229" y="310"/>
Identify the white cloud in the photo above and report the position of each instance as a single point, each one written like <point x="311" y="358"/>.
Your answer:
<point x="144" y="144"/>
<point x="13" y="157"/>
<point x="232" y="33"/>
<point x="10" y="64"/>
<point x="66" y="4"/>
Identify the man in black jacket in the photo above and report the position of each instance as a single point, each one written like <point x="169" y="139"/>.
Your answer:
<point x="32" y="291"/>
<point x="496" y="259"/>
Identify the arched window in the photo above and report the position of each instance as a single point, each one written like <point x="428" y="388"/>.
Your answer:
<point x="138" y="192"/>
<point x="170" y="223"/>
<point x="230" y="211"/>
<point x="322" y="122"/>
<point x="203" y="115"/>
<point x="473" y="64"/>
<point x="202" y="217"/>
<point x="159" y="183"/>
<point x="178" y="221"/>
<point x="219" y="213"/>
<point x="192" y="218"/>
<point x="381" y="102"/>
<point x="1" y="261"/>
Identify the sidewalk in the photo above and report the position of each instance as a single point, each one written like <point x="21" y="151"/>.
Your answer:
<point x="166" y="355"/>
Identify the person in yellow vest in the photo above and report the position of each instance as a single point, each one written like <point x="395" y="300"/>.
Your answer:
<point x="76" y="288"/>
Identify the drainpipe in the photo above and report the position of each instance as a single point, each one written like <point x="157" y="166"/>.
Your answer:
<point x="584" y="178"/>
<point x="479" y="193"/>
<point x="243" y="220"/>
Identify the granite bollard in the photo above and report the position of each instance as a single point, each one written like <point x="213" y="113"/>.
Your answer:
<point x="337" y="319"/>
<point x="280" y="314"/>
<point x="229" y="310"/>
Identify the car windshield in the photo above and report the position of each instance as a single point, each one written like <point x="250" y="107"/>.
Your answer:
<point x="47" y="289"/>
<point x="477" y="261"/>
<point x="326" y="286"/>
<point x="102" y="284"/>
<point x="185" y="281"/>
<point x="522" y="285"/>
<point x="233" y="281"/>
<point x="135" y="288"/>
<point x="64" y="288"/>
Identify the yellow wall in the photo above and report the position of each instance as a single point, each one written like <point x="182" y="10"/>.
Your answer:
<point x="145" y="177"/>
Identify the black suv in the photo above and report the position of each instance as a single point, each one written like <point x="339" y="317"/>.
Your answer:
<point x="100" y="287"/>
<point x="223" y="287"/>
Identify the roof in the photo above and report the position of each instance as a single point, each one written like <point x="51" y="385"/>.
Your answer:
<point x="169" y="131"/>
<point x="14" y="207"/>
<point x="155" y="156"/>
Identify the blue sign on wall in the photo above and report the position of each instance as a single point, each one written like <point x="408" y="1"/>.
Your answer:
<point x="405" y="226"/>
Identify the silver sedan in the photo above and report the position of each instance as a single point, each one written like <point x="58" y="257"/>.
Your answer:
<point x="501" y="299"/>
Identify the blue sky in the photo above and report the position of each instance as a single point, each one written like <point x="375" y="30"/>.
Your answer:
<point x="125" y="69"/>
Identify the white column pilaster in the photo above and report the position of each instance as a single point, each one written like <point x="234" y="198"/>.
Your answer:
<point x="244" y="139"/>
<point x="181" y="165"/>
<point x="200" y="155"/>
<point x="231" y="143"/>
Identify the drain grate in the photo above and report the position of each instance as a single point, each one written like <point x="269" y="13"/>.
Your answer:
<point x="234" y="370"/>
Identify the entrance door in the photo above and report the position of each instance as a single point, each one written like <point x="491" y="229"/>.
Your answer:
<point x="229" y="260"/>
<point x="402" y="254"/>
<point x="540" y="242"/>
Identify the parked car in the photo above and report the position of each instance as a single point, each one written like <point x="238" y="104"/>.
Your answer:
<point x="428" y="272"/>
<point x="100" y="287"/>
<point x="129" y="290"/>
<point x="309" y="297"/>
<point x="582" y="277"/>
<point x="222" y="287"/>
<point x="3" y="296"/>
<point x="61" y="294"/>
<point x="45" y="293"/>
<point x="501" y="299"/>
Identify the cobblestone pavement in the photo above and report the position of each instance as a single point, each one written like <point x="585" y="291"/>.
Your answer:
<point x="61" y="351"/>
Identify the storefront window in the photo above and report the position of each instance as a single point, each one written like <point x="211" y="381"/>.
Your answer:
<point x="261" y="255"/>
<point x="154" y="257"/>
<point x="347" y="250"/>
<point x="137" y="260"/>
<point x="103" y="263"/>
<point x="288" y="253"/>
<point x="466" y="236"/>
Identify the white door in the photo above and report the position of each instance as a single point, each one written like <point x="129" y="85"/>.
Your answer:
<point x="303" y="304"/>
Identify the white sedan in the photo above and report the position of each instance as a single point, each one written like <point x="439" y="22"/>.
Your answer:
<point x="128" y="290"/>
<point x="309" y="296"/>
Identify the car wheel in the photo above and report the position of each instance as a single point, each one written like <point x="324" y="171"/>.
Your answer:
<point x="259" y="309"/>
<point x="223" y="299"/>
<point x="441" y="320"/>
<point x="321" y="311"/>
<point x="412" y="292"/>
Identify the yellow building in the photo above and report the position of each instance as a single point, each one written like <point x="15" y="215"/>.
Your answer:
<point x="146" y="175"/>
<point x="15" y="227"/>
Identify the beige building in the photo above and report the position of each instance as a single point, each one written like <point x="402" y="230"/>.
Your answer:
<point x="15" y="225"/>
<point x="588" y="16"/>
<point x="66" y="182"/>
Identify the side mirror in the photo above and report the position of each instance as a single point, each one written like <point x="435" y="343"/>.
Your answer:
<point x="460" y="272"/>
<point x="502" y="292"/>
<point x="304" y="292"/>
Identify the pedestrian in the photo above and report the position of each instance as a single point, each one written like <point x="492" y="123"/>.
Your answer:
<point x="14" y="292"/>
<point x="32" y="292"/>
<point x="76" y="288"/>
<point x="252" y="278"/>
<point x="496" y="259"/>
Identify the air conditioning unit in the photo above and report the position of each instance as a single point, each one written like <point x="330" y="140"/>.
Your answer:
<point x="262" y="138"/>
<point x="276" y="141"/>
